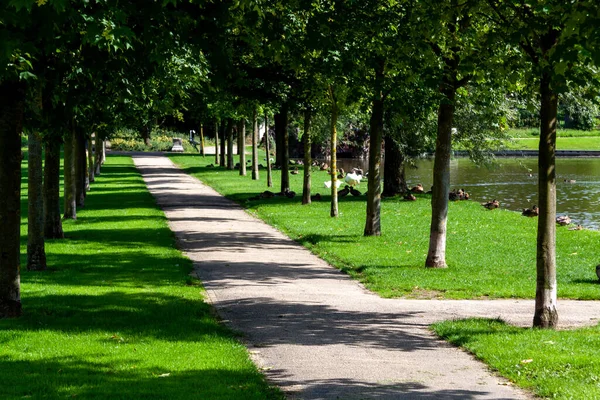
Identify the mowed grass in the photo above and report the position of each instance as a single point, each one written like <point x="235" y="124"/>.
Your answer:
<point x="553" y="364"/>
<point x="491" y="254"/>
<point x="567" y="139"/>
<point x="116" y="316"/>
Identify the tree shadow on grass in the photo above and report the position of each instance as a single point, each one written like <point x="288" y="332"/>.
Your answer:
<point x="63" y="377"/>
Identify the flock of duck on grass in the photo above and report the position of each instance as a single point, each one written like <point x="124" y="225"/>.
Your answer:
<point x="352" y="179"/>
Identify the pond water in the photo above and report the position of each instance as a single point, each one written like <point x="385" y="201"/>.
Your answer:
<point x="513" y="182"/>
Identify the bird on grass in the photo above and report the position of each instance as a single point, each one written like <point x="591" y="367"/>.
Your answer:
<point x="563" y="220"/>
<point x="418" y="189"/>
<point x="531" y="212"/>
<point x="344" y="192"/>
<point x="490" y="205"/>
<point x="354" y="192"/>
<point x="294" y="171"/>
<point x="409" y="197"/>
<point x="316" y="197"/>
<point x="328" y="184"/>
<point x="353" y="179"/>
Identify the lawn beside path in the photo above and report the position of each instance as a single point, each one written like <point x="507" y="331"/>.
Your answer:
<point x="491" y="254"/>
<point x="116" y="316"/>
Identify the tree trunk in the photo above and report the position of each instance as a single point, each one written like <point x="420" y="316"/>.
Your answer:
<point x="70" y="186"/>
<point x="12" y="99"/>
<point x="98" y="146"/>
<point x="241" y="145"/>
<point x="255" y="174"/>
<point x="394" y="180"/>
<point x="145" y="134"/>
<point x="436" y="256"/>
<point x="306" y="141"/>
<point x="333" y="130"/>
<point x="222" y="129"/>
<point x="103" y="152"/>
<point x="216" y="143"/>
<point x="52" y="222"/>
<point x="546" y="315"/>
<point x="202" y="149"/>
<point x="80" y="168"/>
<point x="267" y="148"/>
<point x="36" y="254"/>
<point x="285" y="149"/>
<point x="230" y="165"/>
<point x="90" y="158"/>
<point x="373" y="222"/>
<point x="280" y="122"/>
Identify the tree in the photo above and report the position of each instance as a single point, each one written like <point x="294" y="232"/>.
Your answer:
<point x="560" y="45"/>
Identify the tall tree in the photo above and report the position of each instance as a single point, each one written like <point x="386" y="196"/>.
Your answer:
<point x="52" y="221"/>
<point x="306" y="141"/>
<point x="242" y="145"/>
<point x="560" y="43"/>
<point x="12" y="99"/>
<point x="255" y="173"/>
<point x="36" y="253"/>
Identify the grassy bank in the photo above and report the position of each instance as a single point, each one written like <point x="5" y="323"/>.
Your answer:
<point x="553" y="364"/>
<point x="117" y="316"/>
<point x="491" y="254"/>
<point x="567" y="139"/>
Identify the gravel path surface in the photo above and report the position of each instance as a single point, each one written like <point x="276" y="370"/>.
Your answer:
<point x="315" y="332"/>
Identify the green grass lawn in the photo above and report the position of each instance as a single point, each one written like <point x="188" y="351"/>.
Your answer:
<point x="567" y="139"/>
<point x="535" y="132"/>
<point x="553" y="364"/>
<point x="116" y="316"/>
<point x="491" y="254"/>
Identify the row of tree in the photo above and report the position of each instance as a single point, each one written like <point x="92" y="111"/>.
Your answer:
<point x="67" y="70"/>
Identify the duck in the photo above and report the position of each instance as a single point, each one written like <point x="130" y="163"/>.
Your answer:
<point x="358" y="171"/>
<point x="576" y="228"/>
<point x="316" y="197"/>
<point x="290" y="194"/>
<point x="267" y="194"/>
<point x="354" y="192"/>
<point x="338" y="183"/>
<point x="409" y="197"/>
<point x="531" y="212"/>
<point x="344" y="192"/>
<point x="294" y="171"/>
<point x="353" y="179"/>
<point x="570" y="181"/>
<point x="341" y="173"/>
<point x="418" y="189"/>
<point x="490" y="205"/>
<point x="563" y="220"/>
<point x="324" y="167"/>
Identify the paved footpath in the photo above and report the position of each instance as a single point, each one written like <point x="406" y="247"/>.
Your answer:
<point x="316" y="333"/>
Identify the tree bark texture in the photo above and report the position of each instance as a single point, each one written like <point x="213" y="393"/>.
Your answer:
<point x="546" y="315"/>
<point x="279" y="124"/>
<point x="90" y="159"/>
<point x="12" y="99"/>
<point x="222" y="138"/>
<point x="216" y="143"/>
<point x="436" y="256"/>
<point x="98" y="146"/>
<point x="80" y="168"/>
<point x="306" y="141"/>
<point x="36" y="254"/>
<point x="267" y="148"/>
<point x="334" y="211"/>
<point x="202" y="149"/>
<point x="255" y="173"/>
<point x="241" y="145"/>
<point x="373" y="221"/>
<point x="230" y="164"/>
<point x="70" y="186"/>
<point x="284" y="149"/>
<point x="52" y="222"/>
<point x="394" y="180"/>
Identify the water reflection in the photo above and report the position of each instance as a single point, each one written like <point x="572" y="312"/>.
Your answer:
<point x="514" y="183"/>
